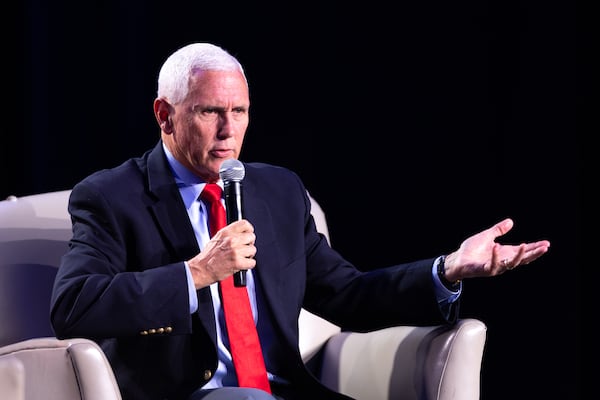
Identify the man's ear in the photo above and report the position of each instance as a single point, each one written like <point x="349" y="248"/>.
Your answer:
<point x="162" y="113"/>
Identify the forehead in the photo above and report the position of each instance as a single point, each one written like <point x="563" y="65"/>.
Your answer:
<point x="218" y="83"/>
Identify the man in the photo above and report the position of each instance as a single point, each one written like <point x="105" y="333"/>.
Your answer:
<point x="143" y="273"/>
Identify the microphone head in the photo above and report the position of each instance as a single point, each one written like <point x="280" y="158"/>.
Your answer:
<point x="232" y="170"/>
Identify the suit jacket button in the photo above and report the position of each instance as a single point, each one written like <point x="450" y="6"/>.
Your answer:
<point x="152" y="331"/>
<point x="207" y="374"/>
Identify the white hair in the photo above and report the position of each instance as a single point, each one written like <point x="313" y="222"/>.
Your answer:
<point x="175" y="73"/>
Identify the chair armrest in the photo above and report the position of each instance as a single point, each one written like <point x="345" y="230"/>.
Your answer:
<point x="61" y="369"/>
<point x="435" y="362"/>
<point x="314" y="333"/>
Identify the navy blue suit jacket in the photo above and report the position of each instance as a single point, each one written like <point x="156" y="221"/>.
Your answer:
<point x="123" y="281"/>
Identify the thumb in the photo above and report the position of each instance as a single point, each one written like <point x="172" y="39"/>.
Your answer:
<point x="502" y="227"/>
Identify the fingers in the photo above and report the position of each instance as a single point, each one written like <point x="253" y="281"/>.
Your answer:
<point x="514" y="256"/>
<point x="238" y="233"/>
<point x="535" y="250"/>
<point x="517" y="260"/>
<point x="236" y="245"/>
<point x="230" y="250"/>
<point x="536" y="247"/>
<point x="506" y="258"/>
<point x="525" y="253"/>
<point x="240" y="226"/>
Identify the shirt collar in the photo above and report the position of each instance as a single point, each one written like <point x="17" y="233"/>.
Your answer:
<point x="189" y="184"/>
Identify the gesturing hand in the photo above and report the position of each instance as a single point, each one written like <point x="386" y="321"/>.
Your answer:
<point x="480" y="255"/>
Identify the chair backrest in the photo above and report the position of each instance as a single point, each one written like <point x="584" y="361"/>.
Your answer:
<point x="34" y="231"/>
<point x="314" y="330"/>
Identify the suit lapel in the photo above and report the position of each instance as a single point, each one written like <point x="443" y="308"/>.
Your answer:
<point x="172" y="218"/>
<point x="168" y="207"/>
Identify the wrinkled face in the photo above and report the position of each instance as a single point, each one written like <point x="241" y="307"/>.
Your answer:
<point x="209" y="125"/>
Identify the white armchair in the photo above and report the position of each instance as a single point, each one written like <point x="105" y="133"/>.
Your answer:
<point x="403" y="362"/>
<point x="34" y="364"/>
<point x="396" y="363"/>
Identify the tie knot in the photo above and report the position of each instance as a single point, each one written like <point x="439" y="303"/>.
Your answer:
<point x="211" y="193"/>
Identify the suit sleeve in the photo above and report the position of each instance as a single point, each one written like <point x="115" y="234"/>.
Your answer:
<point x="107" y="284"/>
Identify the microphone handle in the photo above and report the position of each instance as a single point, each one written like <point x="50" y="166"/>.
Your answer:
<point x="233" y="205"/>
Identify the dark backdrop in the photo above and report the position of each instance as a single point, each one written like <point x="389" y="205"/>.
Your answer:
<point x="458" y="115"/>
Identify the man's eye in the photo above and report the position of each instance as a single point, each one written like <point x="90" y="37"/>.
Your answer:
<point x="239" y="112"/>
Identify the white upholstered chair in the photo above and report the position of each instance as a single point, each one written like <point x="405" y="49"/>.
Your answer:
<point x="401" y="362"/>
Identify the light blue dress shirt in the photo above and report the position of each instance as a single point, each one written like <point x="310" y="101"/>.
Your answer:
<point x="190" y="187"/>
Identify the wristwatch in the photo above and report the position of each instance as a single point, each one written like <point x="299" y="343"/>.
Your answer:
<point x="441" y="271"/>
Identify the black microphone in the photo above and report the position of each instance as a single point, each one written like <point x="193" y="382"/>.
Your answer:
<point x="232" y="172"/>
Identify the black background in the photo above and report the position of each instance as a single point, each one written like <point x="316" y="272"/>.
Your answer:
<point x="457" y="114"/>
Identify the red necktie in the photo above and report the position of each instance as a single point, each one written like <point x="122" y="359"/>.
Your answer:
<point x="243" y="338"/>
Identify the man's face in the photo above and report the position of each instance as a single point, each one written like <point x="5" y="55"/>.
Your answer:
<point x="210" y="124"/>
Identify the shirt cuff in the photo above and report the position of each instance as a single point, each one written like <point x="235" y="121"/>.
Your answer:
<point x="442" y="293"/>
<point x="193" y="297"/>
